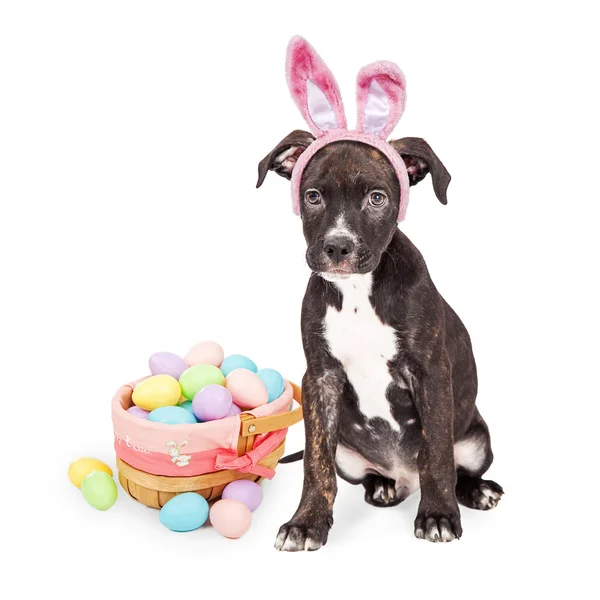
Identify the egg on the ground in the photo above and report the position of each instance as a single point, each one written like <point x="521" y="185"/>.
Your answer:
<point x="230" y="518"/>
<point x="99" y="490"/>
<point x="245" y="491"/>
<point x="184" y="512"/>
<point x="84" y="466"/>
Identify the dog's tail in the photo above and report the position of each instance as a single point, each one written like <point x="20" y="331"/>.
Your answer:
<point x="292" y="457"/>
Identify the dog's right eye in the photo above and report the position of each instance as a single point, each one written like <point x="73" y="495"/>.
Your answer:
<point x="313" y="197"/>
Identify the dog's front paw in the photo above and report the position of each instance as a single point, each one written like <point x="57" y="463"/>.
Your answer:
<point x="438" y="528"/>
<point x="295" y="536"/>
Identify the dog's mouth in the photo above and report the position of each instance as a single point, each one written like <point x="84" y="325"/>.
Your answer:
<point x="337" y="274"/>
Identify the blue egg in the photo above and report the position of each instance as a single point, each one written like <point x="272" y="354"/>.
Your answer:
<point x="187" y="405"/>
<point x="171" y="415"/>
<point x="237" y="361"/>
<point x="184" y="512"/>
<point x="273" y="382"/>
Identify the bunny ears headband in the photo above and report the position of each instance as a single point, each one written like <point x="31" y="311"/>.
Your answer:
<point x="381" y="94"/>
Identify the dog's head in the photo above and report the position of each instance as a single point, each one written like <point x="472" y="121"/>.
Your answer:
<point x="349" y="187"/>
<point x="349" y="197"/>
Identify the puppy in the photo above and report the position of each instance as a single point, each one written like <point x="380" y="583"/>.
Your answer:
<point x="390" y="385"/>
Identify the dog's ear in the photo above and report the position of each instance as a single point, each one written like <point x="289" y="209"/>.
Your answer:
<point x="420" y="159"/>
<point x="282" y="159"/>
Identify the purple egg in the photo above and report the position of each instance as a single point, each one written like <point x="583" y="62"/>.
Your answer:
<point x="136" y="411"/>
<point x="245" y="491"/>
<point x="211" y="402"/>
<point x="234" y="410"/>
<point x="167" y="363"/>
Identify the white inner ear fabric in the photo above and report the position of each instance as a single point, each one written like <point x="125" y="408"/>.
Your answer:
<point x="377" y="108"/>
<point x="321" y="112"/>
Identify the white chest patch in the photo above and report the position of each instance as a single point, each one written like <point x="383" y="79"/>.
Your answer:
<point x="364" y="345"/>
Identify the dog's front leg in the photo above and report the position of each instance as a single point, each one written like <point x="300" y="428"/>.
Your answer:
<point x="438" y="516"/>
<point x="309" y="527"/>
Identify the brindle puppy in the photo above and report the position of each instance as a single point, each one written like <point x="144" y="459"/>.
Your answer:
<point x="390" y="386"/>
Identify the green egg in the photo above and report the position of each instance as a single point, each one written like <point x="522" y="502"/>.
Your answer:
<point x="198" y="377"/>
<point x="99" y="490"/>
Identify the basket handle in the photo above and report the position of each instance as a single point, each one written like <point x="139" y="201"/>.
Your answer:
<point x="252" y="425"/>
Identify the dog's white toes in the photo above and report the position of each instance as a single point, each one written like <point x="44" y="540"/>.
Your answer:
<point x="435" y="530"/>
<point x="280" y="540"/>
<point x="379" y="493"/>
<point x="311" y="544"/>
<point x="446" y="534"/>
<point x="291" y="545"/>
<point x="295" y="538"/>
<point x="489" y="497"/>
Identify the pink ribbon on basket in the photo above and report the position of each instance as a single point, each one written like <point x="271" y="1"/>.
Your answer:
<point x="248" y="463"/>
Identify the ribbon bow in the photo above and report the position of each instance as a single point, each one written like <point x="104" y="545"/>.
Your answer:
<point x="248" y="463"/>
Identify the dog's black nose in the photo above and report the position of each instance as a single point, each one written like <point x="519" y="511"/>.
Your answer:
<point x="339" y="249"/>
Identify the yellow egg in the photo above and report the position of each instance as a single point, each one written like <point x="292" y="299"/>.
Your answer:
<point x="157" y="391"/>
<point x="84" y="466"/>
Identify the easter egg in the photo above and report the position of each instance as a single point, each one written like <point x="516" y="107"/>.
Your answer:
<point x="136" y="411"/>
<point x="187" y="405"/>
<point x="245" y="491"/>
<point x="205" y="353"/>
<point x="83" y="467"/>
<point x="199" y="376"/>
<point x="172" y="415"/>
<point x="184" y="512"/>
<point x="230" y="518"/>
<point x="234" y="410"/>
<point x="273" y="382"/>
<point x="157" y="391"/>
<point x="167" y="363"/>
<point x="212" y="402"/>
<point x="237" y="361"/>
<point x="99" y="490"/>
<point x="247" y="390"/>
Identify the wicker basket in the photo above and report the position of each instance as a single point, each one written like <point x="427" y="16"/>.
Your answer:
<point x="156" y="490"/>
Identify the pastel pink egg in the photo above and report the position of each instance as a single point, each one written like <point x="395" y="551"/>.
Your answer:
<point x="230" y="518"/>
<point x="205" y="353"/>
<point x="246" y="388"/>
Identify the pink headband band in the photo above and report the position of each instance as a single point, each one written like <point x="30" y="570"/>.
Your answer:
<point x="381" y="95"/>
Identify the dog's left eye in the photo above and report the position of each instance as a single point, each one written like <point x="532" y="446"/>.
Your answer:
<point x="377" y="199"/>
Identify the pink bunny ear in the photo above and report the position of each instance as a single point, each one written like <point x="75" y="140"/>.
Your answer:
<point x="314" y="88"/>
<point x="381" y="94"/>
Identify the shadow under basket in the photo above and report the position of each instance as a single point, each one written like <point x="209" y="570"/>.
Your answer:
<point x="156" y="490"/>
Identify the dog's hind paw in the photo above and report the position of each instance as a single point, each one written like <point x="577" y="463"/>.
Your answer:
<point x="380" y="491"/>
<point x="477" y="493"/>
<point x="294" y="537"/>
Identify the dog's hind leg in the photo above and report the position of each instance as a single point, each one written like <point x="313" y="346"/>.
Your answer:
<point x="473" y="456"/>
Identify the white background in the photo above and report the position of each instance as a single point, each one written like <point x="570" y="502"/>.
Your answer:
<point x="130" y="134"/>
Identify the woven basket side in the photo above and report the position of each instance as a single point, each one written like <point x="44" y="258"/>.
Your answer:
<point x="155" y="490"/>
